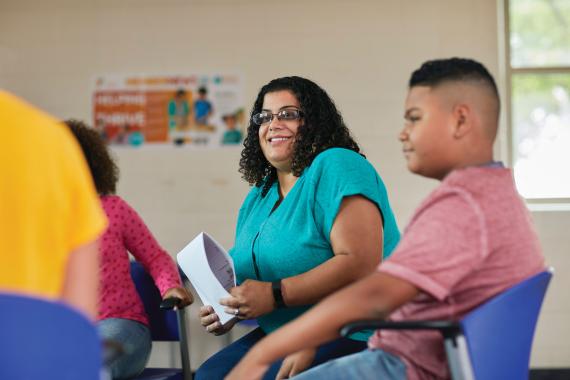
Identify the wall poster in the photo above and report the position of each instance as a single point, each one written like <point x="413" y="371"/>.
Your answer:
<point x="182" y="110"/>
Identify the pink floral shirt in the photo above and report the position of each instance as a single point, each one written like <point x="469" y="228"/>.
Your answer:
<point x="126" y="233"/>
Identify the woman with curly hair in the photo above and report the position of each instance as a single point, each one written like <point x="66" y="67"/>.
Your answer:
<point x="316" y="219"/>
<point x="122" y="317"/>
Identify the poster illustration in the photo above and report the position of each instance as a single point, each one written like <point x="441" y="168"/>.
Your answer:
<point x="181" y="110"/>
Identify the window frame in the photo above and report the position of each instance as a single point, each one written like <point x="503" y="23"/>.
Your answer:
<point x="539" y="204"/>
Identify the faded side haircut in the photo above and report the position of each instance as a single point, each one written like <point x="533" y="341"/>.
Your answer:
<point x="439" y="71"/>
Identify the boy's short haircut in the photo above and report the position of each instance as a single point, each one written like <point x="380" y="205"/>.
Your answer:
<point x="435" y="72"/>
<point x="460" y="70"/>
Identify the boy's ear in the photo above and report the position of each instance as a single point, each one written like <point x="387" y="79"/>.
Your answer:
<point x="463" y="122"/>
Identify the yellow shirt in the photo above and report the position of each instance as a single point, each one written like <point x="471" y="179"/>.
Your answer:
<point x="48" y="204"/>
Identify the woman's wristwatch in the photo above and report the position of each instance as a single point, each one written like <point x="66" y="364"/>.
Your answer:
<point x="277" y="294"/>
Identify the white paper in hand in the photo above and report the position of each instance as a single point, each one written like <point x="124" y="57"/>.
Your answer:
<point x="210" y="270"/>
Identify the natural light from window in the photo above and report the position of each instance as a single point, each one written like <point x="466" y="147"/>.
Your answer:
<point x="540" y="96"/>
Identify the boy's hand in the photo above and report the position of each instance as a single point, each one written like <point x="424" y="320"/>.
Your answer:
<point x="249" y="368"/>
<point x="181" y="293"/>
<point x="296" y="363"/>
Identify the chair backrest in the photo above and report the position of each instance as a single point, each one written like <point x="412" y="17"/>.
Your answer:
<point x="499" y="333"/>
<point x="163" y="323"/>
<point x="42" y="339"/>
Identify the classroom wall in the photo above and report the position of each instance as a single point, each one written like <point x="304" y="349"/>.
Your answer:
<point x="361" y="52"/>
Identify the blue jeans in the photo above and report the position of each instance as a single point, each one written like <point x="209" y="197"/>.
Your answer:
<point x="221" y="363"/>
<point x="136" y="341"/>
<point x="365" y="365"/>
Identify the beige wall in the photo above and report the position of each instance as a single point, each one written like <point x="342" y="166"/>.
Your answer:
<point x="362" y="52"/>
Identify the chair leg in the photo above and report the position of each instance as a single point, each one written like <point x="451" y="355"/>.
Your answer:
<point x="458" y="358"/>
<point x="184" y="351"/>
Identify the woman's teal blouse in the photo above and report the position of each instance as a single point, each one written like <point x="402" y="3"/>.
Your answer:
<point x="295" y="237"/>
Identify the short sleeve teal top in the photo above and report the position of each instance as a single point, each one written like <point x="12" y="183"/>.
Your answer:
<point x="295" y="237"/>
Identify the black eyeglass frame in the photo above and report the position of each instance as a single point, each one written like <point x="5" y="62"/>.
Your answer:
<point x="280" y="116"/>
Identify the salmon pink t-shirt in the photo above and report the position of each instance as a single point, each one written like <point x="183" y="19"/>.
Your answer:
<point x="127" y="232"/>
<point x="471" y="239"/>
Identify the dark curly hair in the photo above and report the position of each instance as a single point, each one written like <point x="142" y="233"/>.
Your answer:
<point x="103" y="168"/>
<point x="323" y="128"/>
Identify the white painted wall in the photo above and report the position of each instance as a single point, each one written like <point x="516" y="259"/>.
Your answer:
<point x="361" y="52"/>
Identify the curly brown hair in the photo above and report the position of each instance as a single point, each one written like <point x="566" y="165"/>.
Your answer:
<point x="323" y="128"/>
<point x="104" y="170"/>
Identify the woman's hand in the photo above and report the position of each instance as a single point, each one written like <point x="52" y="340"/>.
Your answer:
<point x="210" y="320"/>
<point x="181" y="293"/>
<point x="251" y="299"/>
<point x="296" y="363"/>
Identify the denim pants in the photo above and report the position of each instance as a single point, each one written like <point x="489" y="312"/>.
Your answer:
<point x="366" y="365"/>
<point x="221" y="363"/>
<point x="135" y="340"/>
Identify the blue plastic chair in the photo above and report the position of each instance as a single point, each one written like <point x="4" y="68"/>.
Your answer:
<point x="165" y="326"/>
<point x="493" y="341"/>
<point x="42" y="339"/>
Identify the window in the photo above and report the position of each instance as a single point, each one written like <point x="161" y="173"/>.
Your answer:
<point x="538" y="75"/>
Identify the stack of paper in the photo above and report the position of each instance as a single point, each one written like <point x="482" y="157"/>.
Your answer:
<point x="210" y="270"/>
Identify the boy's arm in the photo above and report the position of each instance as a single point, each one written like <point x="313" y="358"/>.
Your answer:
<point x="373" y="297"/>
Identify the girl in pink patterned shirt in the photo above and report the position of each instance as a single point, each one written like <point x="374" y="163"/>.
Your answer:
<point x="121" y="313"/>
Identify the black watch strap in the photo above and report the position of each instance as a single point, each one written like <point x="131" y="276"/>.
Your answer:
<point x="277" y="294"/>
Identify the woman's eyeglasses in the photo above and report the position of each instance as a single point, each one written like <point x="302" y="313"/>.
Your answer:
<point x="265" y="117"/>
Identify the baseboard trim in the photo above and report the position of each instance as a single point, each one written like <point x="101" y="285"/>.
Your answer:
<point x="549" y="374"/>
